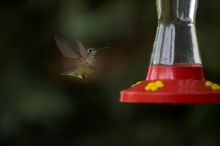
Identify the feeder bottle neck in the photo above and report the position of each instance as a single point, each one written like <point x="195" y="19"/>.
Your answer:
<point x="176" y="40"/>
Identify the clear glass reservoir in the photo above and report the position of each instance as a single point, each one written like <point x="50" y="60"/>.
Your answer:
<point x="176" y="40"/>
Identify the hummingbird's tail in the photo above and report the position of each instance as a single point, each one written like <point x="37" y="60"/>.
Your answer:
<point x="73" y="73"/>
<point x="64" y="74"/>
<point x="69" y="73"/>
<point x="105" y="48"/>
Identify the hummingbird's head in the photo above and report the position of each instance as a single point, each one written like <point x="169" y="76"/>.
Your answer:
<point x="91" y="51"/>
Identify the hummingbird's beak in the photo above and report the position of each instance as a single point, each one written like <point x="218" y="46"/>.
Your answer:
<point x="100" y="49"/>
<point x="105" y="48"/>
<point x="95" y="51"/>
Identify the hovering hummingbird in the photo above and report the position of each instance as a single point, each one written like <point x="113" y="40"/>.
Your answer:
<point x="83" y="59"/>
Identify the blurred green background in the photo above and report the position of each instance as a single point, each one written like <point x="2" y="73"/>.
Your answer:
<point x="39" y="107"/>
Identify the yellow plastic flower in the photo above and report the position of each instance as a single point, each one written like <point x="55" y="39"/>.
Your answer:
<point x="154" y="86"/>
<point x="149" y="85"/>
<point x="214" y="86"/>
<point x="159" y="84"/>
<point x="136" y="83"/>
<point x="208" y="83"/>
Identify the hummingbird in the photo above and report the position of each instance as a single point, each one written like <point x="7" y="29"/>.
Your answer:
<point x="83" y="59"/>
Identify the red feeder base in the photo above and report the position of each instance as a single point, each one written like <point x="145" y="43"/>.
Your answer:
<point x="178" y="85"/>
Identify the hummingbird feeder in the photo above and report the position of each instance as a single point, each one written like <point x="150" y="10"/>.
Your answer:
<point x="175" y="74"/>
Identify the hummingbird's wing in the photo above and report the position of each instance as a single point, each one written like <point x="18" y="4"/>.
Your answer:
<point x="82" y="49"/>
<point x="66" y="49"/>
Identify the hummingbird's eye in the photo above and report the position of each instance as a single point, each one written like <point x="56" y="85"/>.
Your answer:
<point x="89" y="50"/>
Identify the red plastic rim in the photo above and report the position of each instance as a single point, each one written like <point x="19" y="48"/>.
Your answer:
<point x="182" y="85"/>
<point x="174" y="91"/>
<point x="175" y="72"/>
